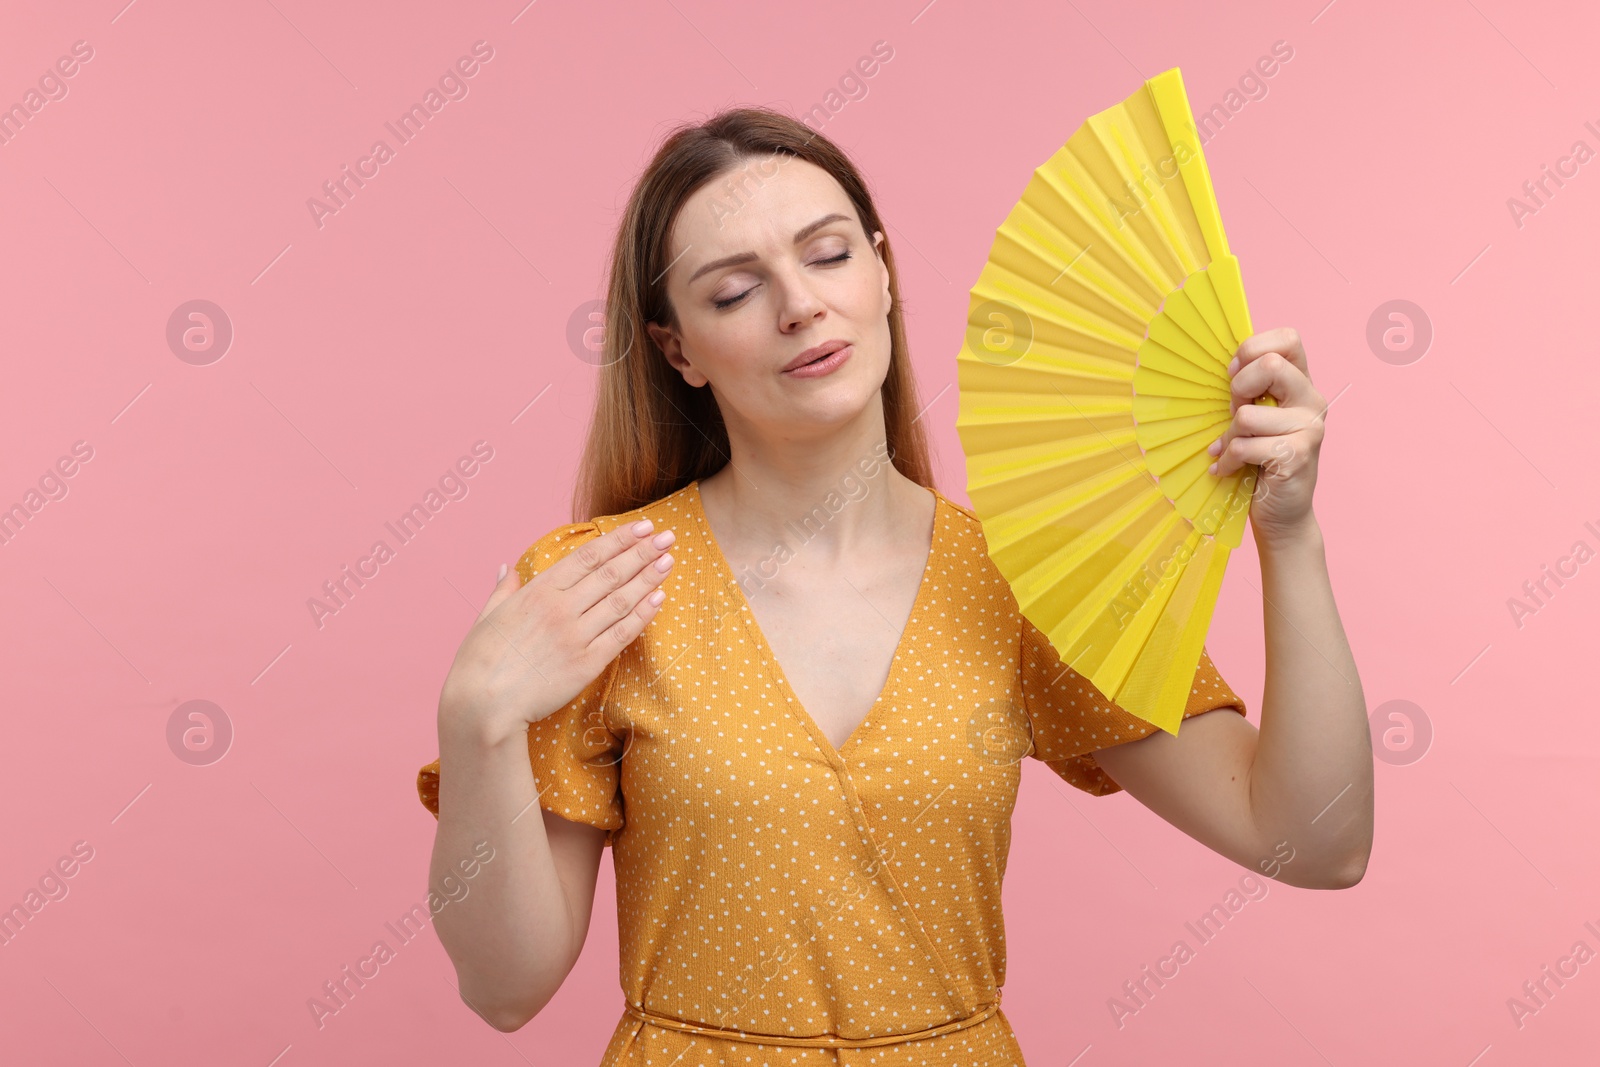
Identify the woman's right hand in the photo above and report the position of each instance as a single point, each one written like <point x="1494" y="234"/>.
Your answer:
<point x="535" y="647"/>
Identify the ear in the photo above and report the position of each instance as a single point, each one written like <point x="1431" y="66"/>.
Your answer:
<point x="883" y="269"/>
<point x="666" y="339"/>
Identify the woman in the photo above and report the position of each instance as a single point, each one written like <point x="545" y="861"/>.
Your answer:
<point x="800" y="754"/>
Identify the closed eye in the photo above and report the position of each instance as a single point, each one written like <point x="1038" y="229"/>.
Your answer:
<point x="732" y="300"/>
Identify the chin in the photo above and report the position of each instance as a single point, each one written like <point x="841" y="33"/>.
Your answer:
<point x="851" y="400"/>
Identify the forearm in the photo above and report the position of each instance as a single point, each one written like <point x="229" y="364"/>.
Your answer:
<point x="1311" y="779"/>
<point x="510" y="936"/>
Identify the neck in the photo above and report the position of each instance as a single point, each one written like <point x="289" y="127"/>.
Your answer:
<point x="826" y="503"/>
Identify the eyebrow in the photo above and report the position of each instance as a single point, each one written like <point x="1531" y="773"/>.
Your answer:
<point x="745" y="257"/>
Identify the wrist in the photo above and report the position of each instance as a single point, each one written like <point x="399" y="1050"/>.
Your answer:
<point x="480" y="733"/>
<point x="1305" y="535"/>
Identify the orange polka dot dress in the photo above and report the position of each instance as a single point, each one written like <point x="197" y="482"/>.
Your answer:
<point x="783" y="902"/>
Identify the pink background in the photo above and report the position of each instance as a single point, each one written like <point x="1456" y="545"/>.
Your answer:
<point x="370" y="353"/>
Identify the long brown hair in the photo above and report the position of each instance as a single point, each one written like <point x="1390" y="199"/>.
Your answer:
<point x="652" y="433"/>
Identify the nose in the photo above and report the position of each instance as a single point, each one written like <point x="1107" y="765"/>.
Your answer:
<point x="799" y="305"/>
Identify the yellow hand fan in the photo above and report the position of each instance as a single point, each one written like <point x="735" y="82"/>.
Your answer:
<point x="1091" y="382"/>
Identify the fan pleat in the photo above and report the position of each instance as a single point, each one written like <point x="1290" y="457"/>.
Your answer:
<point x="1171" y="352"/>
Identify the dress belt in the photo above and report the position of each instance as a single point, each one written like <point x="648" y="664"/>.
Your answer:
<point x="821" y="1041"/>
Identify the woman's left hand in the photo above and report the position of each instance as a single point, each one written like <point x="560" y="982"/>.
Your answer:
<point x="1283" y="440"/>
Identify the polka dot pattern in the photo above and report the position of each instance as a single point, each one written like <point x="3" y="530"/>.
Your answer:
<point x="771" y="885"/>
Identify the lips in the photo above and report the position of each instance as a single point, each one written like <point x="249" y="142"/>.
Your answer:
<point x="811" y="355"/>
<point x="823" y="366"/>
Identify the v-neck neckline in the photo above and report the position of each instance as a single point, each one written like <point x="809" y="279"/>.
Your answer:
<point x="770" y="658"/>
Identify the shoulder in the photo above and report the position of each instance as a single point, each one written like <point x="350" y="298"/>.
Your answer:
<point x="968" y="528"/>
<point x="668" y="511"/>
<point x="965" y="515"/>
<point x="973" y="566"/>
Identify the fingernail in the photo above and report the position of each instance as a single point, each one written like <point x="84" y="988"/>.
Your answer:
<point x="501" y="576"/>
<point x="1233" y="366"/>
<point x="641" y="527"/>
<point x="1215" y="446"/>
<point x="1212" y="468"/>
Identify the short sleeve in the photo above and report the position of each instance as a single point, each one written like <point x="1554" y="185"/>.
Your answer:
<point x="574" y="753"/>
<point x="1071" y="719"/>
